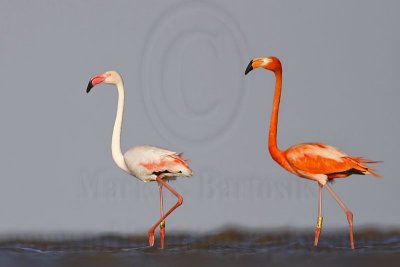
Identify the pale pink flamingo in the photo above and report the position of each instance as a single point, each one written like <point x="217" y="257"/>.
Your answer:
<point x="147" y="163"/>
<point x="314" y="161"/>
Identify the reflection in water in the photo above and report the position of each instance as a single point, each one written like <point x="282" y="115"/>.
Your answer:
<point x="227" y="248"/>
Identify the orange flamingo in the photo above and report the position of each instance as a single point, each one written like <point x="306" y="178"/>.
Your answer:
<point x="314" y="161"/>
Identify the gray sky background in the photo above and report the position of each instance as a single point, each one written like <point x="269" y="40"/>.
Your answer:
<point x="183" y="65"/>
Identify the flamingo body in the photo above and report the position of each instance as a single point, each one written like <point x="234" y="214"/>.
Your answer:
<point x="317" y="158"/>
<point x="149" y="162"/>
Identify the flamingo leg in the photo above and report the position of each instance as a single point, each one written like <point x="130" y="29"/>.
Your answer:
<point x="318" y="228"/>
<point x="349" y="214"/>
<point x="162" y="224"/>
<point x="177" y="204"/>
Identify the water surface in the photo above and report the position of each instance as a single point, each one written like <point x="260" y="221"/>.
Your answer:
<point x="227" y="248"/>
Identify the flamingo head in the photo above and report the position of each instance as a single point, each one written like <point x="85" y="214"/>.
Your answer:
<point x="111" y="77"/>
<point x="268" y="63"/>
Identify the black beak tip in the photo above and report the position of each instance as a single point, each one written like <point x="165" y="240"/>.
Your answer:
<point x="89" y="87"/>
<point x="249" y="68"/>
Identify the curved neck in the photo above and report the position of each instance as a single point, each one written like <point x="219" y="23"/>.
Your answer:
<point x="276" y="154"/>
<point x="117" y="155"/>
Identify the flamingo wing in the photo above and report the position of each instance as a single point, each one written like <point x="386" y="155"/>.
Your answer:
<point x="164" y="162"/>
<point x="171" y="163"/>
<point x="319" y="158"/>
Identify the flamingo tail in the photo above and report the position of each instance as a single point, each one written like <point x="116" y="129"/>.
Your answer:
<point x="361" y="164"/>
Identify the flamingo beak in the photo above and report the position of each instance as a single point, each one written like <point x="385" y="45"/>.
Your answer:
<point x="249" y="67"/>
<point x="95" y="80"/>
<point x="89" y="86"/>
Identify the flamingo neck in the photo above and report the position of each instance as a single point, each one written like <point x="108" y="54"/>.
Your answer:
<point x="117" y="155"/>
<point x="276" y="154"/>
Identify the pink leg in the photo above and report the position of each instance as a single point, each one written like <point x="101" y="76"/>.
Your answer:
<point x="177" y="204"/>
<point x="162" y="224"/>
<point x="349" y="214"/>
<point x="318" y="228"/>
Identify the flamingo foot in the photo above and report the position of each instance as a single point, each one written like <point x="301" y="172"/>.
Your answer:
<point x="349" y="216"/>
<point x="316" y="236"/>
<point x="151" y="237"/>
<point x="162" y="234"/>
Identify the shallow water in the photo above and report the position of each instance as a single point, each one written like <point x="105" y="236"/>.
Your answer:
<point x="228" y="248"/>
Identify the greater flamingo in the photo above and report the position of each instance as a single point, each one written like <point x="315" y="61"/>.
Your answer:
<point x="147" y="163"/>
<point x="314" y="161"/>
